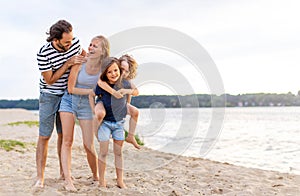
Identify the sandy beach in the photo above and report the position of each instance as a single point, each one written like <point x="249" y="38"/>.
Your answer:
<point x="147" y="172"/>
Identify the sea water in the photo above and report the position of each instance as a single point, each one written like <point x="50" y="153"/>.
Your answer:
<point x="258" y="137"/>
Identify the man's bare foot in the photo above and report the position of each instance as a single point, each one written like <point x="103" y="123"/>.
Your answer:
<point x="39" y="184"/>
<point x="61" y="177"/>
<point x="121" y="184"/>
<point x="95" y="178"/>
<point x="69" y="186"/>
<point x="131" y="139"/>
<point x="102" y="184"/>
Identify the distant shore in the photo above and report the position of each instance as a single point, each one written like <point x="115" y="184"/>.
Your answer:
<point x="146" y="171"/>
<point x="190" y="101"/>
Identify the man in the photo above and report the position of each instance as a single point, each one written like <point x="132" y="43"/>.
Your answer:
<point x="54" y="60"/>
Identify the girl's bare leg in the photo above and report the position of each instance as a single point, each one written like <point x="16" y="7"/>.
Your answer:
<point x="119" y="162"/>
<point x="102" y="162"/>
<point x="99" y="115"/>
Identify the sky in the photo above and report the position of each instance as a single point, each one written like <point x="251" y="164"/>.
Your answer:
<point x="255" y="45"/>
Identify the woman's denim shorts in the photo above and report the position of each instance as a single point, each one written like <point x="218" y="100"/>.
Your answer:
<point x="81" y="107"/>
<point x="66" y="103"/>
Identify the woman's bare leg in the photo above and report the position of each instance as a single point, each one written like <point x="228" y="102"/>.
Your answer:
<point x="68" y="123"/>
<point x="134" y="115"/>
<point x="88" y="143"/>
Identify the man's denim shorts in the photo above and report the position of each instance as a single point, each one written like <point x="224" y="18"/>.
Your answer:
<point x="107" y="128"/>
<point x="81" y="107"/>
<point x="48" y="113"/>
<point x="66" y="103"/>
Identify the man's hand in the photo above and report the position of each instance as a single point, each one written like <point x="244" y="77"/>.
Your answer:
<point x="77" y="59"/>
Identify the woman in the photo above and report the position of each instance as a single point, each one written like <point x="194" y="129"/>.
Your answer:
<point x="82" y="79"/>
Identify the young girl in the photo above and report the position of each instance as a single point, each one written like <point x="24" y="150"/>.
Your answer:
<point x="113" y="122"/>
<point x="129" y="67"/>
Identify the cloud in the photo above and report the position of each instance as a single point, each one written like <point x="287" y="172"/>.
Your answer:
<point x="254" y="35"/>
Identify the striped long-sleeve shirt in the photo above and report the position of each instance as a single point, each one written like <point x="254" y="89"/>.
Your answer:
<point x="51" y="59"/>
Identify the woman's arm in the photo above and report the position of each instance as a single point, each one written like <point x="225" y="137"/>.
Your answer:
<point x="83" y="53"/>
<point x="92" y="101"/>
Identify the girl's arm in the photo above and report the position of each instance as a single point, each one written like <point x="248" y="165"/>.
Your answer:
<point x="132" y="91"/>
<point x="72" y="82"/>
<point x="110" y="90"/>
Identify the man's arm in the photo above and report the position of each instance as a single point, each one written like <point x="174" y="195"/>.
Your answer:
<point x="51" y="77"/>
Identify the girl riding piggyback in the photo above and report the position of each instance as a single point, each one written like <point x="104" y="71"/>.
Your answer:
<point x="113" y="122"/>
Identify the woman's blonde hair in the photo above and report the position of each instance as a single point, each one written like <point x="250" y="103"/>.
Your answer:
<point x="104" y="46"/>
<point x="132" y="65"/>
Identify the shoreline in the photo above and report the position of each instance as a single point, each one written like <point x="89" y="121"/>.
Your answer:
<point x="146" y="171"/>
<point x="263" y="167"/>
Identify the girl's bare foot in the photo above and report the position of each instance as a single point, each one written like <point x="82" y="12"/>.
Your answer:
<point x="39" y="184"/>
<point x="121" y="184"/>
<point x="131" y="139"/>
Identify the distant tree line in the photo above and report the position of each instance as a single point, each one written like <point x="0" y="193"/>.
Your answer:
<point x="29" y="104"/>
<point x="196" y="100"/>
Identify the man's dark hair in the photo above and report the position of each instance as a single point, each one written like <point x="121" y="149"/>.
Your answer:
<point x="58" y="29"/>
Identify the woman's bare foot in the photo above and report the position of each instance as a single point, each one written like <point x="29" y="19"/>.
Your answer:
<point x="102" y="183"/>
<point x="131" y="139"/>
<point x="121" y="184"/>
<point x="69" y="186"/>
<point x="39" y="184"/>
<point x="62" y="177"/>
